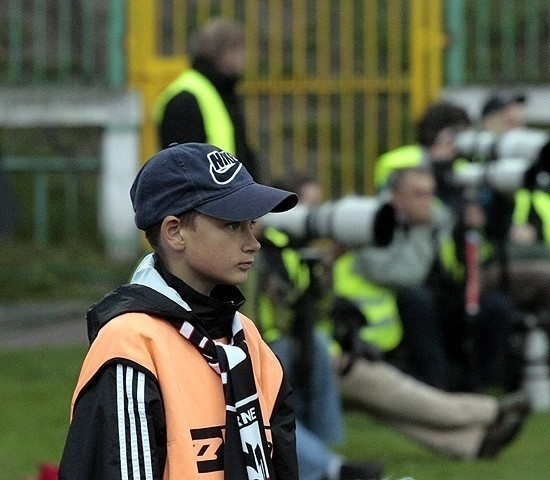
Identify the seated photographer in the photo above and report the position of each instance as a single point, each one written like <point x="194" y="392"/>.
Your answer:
<point x="527" y="275"/>
<point x="372" y="278"/>
<point x="435" y="335"/>
<point x="459" y="425"/>
<point x="286" y="319"/>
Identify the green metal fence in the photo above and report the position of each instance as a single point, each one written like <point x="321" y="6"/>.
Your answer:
<point x="46" y="171"/>
<point x="498" y="41"/>
<point x="62" y="41"/>
<point x="83" y="41"/>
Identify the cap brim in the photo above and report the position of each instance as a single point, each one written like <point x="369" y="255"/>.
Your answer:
<point x="249" y="203"/>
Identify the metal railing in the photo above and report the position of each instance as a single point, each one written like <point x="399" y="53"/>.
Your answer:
<point x="498" y="41"/>
<point x="63" y="41"/>
<point x="84" y="41"/>
<point x="42" y="169"/>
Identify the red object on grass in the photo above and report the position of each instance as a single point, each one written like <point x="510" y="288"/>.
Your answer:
<point x="48" y="471"/>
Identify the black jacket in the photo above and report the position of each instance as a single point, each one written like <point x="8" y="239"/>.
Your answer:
<point x="182" y="121"/>
<point x="92" y="446"/>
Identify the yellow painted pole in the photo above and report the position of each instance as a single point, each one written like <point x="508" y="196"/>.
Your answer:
<point x="372" y="104"/>
<point x="148" y="72"/>
<point x="324" y="130"/>
<point x="299" y="101"/>
<point x="427" y="43"/>
<point x="275" y="70"/>
<point x="347" y="114"/>
<point x="252" y="73"/>
<point x="437" y="45"/>
<point x="395" y="95"/>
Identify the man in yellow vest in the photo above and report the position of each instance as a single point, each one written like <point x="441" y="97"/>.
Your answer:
<point x="371" y="278"/>
<point x="436" y="146"/>
<point x="202" y="103"/>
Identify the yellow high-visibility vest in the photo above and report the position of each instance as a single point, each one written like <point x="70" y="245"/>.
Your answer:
<point x="217" y="121"/>
<point x="378" y="304"/>
<point x="272" y="320"/>
<point x="537" y="201"/>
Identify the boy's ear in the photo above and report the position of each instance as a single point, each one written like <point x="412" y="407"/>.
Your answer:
<point x="170" y="231"/>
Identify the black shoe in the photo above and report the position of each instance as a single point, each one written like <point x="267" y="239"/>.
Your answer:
<point x="517" y="401"/>
<point x="370" y="470"/>
<point x="513" y="410"/>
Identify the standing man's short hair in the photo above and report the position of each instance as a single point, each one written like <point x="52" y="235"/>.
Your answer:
<point x="215" y="38"/>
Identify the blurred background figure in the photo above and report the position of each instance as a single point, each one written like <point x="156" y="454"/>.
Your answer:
<point x="503" y="111"/>
<point x="286" y="308"/>
<point x="202" y="104"/>
<point x="435" y="146"/>
<point x="519" y="222"/>
<point x="295" y="300"/>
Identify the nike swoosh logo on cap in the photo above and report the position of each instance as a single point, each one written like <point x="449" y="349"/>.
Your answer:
<point x="223" y="167"/>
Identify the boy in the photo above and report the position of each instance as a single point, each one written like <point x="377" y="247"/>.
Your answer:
<point x="177" y="384"/>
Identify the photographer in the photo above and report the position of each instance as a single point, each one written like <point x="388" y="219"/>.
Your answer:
<point x="430" y="301"/>
<point x="436" y="146"/>
<point x="373" y="277"/>
<point x="285" y="301"/>
<point x="523" y="238"/>
<point x="459" y="425"/>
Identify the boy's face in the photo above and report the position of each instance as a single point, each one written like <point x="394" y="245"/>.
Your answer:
<point x="216" y="252"/>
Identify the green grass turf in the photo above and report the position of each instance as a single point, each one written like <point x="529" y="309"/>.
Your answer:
<point x="528" y="458"/>
<point x="35" y="391"/>
<point x="36" y="386"/>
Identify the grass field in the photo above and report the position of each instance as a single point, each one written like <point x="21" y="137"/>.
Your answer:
<point x="36" y="387"/>
<point x="29" y="272"/>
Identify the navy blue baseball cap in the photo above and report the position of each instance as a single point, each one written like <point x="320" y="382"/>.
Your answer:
<point x="202" y="177"/>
